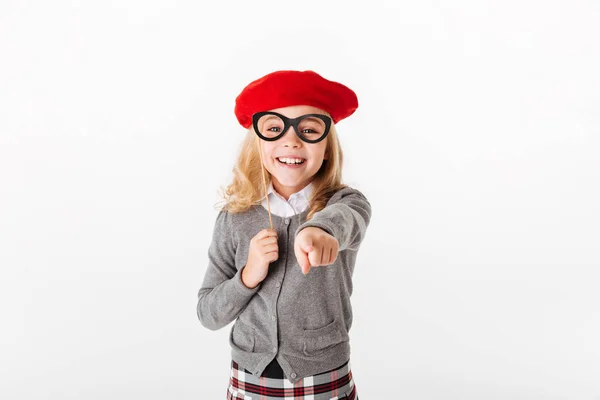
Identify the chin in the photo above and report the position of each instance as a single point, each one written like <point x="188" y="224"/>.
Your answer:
<point x="288" y="182"/>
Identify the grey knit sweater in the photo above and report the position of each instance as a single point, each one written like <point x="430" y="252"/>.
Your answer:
<point x="303" y="320"/>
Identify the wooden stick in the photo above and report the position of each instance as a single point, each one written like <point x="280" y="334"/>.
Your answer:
<point x="264" y="182"/>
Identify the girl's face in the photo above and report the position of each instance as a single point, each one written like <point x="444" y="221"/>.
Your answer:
<point x="289" y="179"/>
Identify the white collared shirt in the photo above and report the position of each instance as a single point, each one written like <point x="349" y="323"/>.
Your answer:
<point x="297" y="203"/>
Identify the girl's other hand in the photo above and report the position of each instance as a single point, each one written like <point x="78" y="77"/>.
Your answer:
<point x="263" y="251"/>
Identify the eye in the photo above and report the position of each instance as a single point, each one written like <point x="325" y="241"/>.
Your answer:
<point x="312" y="126"/>
<point x="276" y="129"/>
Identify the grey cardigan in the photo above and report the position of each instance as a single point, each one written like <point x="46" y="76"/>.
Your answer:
<point x="302" y="320"/>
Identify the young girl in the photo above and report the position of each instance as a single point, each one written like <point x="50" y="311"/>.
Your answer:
<point x="287" y="286"/>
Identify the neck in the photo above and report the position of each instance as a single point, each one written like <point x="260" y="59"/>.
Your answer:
<point x="287" y="191"/>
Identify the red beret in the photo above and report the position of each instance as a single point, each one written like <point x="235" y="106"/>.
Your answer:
<point x="291" y="88"/>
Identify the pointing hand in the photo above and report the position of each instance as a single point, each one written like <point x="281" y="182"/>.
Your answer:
<point x="314" y="247"/>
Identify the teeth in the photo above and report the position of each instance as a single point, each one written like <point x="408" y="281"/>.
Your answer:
<point x="291" y="160"/>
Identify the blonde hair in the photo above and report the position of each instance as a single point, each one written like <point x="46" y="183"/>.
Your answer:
<point x="247" y="187"/>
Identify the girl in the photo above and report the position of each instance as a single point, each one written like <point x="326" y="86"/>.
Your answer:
<point x="287" y="287"/>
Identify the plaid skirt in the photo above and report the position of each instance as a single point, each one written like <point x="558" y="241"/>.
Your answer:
<point x="336" y="384"/>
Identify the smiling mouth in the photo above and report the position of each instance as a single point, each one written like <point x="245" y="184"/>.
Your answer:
<point x="290" y="162"/>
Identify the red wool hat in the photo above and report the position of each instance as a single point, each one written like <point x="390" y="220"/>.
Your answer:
<point x="291" y="88"/>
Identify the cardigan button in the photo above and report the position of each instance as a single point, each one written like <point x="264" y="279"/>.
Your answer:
<point x="293" y="375"/>
<point x="287" y="221"/>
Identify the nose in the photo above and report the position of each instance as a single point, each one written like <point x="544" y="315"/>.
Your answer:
<point x="290" y="137"/>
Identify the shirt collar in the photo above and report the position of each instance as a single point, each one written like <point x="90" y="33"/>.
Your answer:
<point x="304" y="192"/>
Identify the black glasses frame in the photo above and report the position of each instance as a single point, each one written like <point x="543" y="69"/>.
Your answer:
<point x="287" y="122"/>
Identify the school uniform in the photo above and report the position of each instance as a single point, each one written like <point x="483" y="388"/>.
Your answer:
<point x="290" y="337"/>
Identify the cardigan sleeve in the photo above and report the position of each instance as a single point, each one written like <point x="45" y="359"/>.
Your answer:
<point x="346" y="217"/>
<point x="223" y="295"/>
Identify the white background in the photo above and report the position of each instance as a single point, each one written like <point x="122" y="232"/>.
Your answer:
<point x="476" y="141"/>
